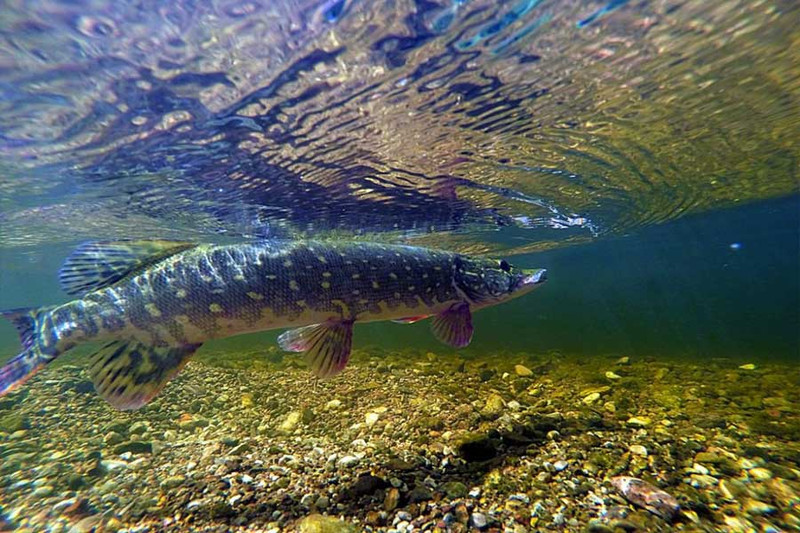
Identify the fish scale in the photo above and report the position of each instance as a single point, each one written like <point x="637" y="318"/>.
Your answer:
<point x="155" y="303"/>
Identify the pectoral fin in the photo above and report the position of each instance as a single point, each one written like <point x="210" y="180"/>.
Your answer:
<point x="128" y="374"/>
<point x="327" y="345"/>
<point x="454" y="326"/>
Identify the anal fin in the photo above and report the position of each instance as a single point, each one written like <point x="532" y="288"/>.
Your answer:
<point x="454" y="325"/>
<point x="327" y="345"/>
<point x="128" y="374"/>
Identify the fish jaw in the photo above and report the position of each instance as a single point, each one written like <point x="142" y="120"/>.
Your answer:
<point x="532" y="277"/>
<point x="529" y="280"/>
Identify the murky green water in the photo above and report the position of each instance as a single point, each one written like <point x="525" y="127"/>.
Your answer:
<point x="645" y="154"/>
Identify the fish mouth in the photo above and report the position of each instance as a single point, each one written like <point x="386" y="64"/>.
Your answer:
<point x="533" y="277"/>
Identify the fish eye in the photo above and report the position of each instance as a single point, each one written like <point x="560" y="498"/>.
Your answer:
<point x="505" y="266"/>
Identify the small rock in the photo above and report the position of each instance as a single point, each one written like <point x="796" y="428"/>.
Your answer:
<point x="14" y="422"/>
<point x="333" y="404"/>
<point x="748" y="366"/>
<point x="759" y="508"/>
<point x="317" y="523"/>
<point x="596" y="526"/>
<point x="172" y="482"/>
<point x="638" y="449"/>
<point x="523" y="371"/>
<point x="454" y="489"/>
<point x="42" y="491"/>
<point x="647" y="496"/>
<point x="371" y="418"/>
<point x="760" y="474"/>
<point x="348" y="460"/>
<point x="420" y="493"/>
<point x="591" y="398"/>
<point x="134" y="446"/>
<point x="247" y="400"/>
<point x="392" y="499"/>
<point x="612" y="376"/>
<point x="478" y="520"/>
<point x="137" y="428"/>
<point x="560" y="465"/>
<point x="240" y="449"/>
<point x="291" y="421"/>
<point x="702" y="481"/>
<point x="493" y="407"/>
<point x="112" y="437"/>
<point x="638" y="421"/>
<point x="323" y="502"/>
<point x="624" y="360"/>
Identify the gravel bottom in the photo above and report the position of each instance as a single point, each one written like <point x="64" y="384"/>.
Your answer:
<point x="405" y="442"/>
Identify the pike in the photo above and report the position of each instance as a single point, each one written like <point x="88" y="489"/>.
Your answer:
<point x="154" y="303"/>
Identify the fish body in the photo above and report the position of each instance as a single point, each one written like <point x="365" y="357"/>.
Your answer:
<point x="155" y="302"/>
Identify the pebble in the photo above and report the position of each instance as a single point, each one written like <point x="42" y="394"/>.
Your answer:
<point x="111" y="464"/>
<point x="391" y="499"/>
<point x="43" y="491"/>
<point x="760" y="474"/>
<point x="173" y="482"/>
<point x="638" y="421"/>
<point x="748" y="366"/>
<point x="591" y="398"/>
<point x="291" y="421"/>
<point x="247" y="400"/>
<point x="348" y="460"/>
<point x="623" y="360"/>
<point x="560" y="465"/>
<point x="139" y="427"/>
<point x="702" y="481"/>
<point x="523" y="371"/>
<point x="494" y="405"/>
<point x="112" y="437"/>
<point x="759" y="508"/>
<point x="612" y="376"/>
<point x="371" y="418"/>
<point x="638" y="449"/>
<point x="478" y="520"/>
<point x="317" y="523"/>
<point x="323" y="502"/>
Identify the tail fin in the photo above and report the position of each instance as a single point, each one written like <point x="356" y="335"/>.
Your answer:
<point x="19" y="369"/>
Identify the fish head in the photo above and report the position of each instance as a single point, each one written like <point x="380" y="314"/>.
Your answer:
<point x="487" y="282"/>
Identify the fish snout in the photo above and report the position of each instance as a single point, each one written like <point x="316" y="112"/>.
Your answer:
<point x="539" y="276"/>
<point x="531" y="278"/>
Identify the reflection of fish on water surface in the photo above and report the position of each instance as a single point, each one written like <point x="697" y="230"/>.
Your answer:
<point x="156" y="302"/>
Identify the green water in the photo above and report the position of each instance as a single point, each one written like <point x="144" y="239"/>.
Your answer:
<point x="679" y="289"/>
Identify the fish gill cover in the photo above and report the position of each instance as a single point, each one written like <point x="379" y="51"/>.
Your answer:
<point x="441" y="121"/>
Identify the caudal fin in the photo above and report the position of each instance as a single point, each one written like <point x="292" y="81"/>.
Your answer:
<point x="19" y="369"/>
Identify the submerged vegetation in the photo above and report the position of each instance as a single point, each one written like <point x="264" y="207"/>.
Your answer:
<point x="402" y="442"/>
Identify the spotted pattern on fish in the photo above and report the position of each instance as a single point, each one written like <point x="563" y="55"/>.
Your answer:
<point x="158" y="301"/>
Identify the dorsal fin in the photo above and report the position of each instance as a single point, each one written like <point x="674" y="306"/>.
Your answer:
<point x="95" y="265"/>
